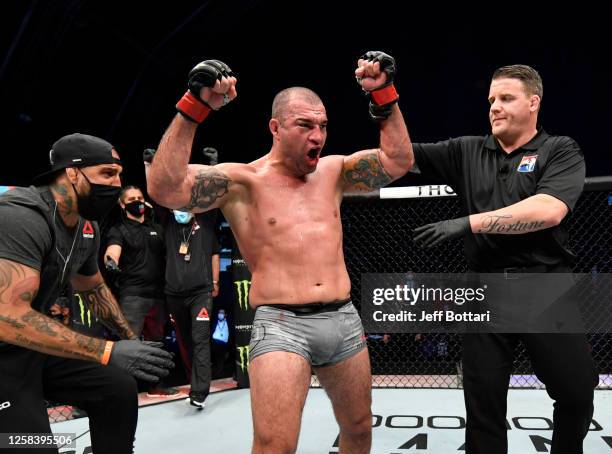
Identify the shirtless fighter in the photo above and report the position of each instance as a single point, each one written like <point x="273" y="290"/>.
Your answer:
<point x="284" y="209"/>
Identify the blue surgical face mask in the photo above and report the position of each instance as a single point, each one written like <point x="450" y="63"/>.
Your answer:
<point x="182" y="217"/>
<point x="221" y="316"/>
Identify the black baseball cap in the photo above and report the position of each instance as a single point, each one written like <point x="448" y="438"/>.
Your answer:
<point x="78" y="150"/>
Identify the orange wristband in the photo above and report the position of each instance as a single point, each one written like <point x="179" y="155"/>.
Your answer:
<point x="107" y="352"/>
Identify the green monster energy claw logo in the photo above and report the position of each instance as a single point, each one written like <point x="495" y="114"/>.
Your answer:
<point x="244" y="357"/>
<point x="242" y="288"/>
<point x="83" y="310"/>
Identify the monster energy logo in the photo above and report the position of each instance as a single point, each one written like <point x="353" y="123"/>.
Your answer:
<point x="242" y="288"/>
<point x="82" y="311"/>
<point x="244" y="357"/>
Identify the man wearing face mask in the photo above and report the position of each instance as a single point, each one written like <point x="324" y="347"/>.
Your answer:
<point x="135" y="245"/>
<point x="50" y="238"/>
<point x="220" y="339"/>
<point x="192" y="280"/>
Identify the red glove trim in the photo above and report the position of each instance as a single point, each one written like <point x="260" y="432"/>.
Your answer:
<point x="192" y="107"/>
<point x="385" y="95"/>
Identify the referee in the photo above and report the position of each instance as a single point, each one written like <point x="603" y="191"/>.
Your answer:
<point x="517" y="185"/>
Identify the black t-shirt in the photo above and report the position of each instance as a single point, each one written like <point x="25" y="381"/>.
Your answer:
<point x="487" y="178"/>
<point x="191" y="276"/>
<point x="34" y="234"/>
<point x="142" y="257"/>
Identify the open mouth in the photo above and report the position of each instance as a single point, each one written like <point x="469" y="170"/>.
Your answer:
<point x="313" y="155"/>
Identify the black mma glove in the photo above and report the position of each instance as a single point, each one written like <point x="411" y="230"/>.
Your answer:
<point x="204" y="74"/>
<point x="148" y="154"/>
<point x="111" y="266"/>
<point x="382" y="98"/>
<point x="212" y="155"/>
<point x="143" y="360"/>
<point x="431" y="235"/>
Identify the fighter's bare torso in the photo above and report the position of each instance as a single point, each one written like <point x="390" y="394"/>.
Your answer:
<point x="289" y="231"/>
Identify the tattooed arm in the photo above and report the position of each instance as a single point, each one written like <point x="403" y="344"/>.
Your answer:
<point x="173" y="183"/>
<point x="372" y="169"/>
<point x="21" y="325"/>
<point x="538" y="212"/>
<point x="102" y="302"/>
<point x="209" y="187"/>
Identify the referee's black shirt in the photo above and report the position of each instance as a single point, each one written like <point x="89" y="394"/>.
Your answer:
<point x="486" y="178"/>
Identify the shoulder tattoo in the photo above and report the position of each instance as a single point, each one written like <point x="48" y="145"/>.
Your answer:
<point x="366" y="173"/>
<point x="210" y="185"/>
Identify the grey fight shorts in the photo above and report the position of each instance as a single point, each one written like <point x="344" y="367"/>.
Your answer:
<point x="324" y="334"/>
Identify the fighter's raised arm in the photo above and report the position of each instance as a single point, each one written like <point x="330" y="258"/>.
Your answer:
<point x="368" y="170"/>
<point x="171" y="181"/>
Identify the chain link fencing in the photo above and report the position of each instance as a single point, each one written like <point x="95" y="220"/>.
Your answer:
<point x="378" y="239"/>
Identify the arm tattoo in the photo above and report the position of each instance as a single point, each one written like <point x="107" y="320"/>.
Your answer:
<point x="103" y="304"/>
<point x="34" y="330"/>
<point x="493" y="224"/>
<point x="366" y="174"/>
<point x="7" y="269"/>
<point x="91" y="344"/>
<point x="40" y="322"/>
<point x="11" y="321"/>
<point x="209" y="186"/>
<point x="92" y="348"/>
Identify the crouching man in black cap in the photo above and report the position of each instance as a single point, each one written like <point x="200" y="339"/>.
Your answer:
<point x="50" y="240"/>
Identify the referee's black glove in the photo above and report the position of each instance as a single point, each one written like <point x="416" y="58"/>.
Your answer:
<point x="431" y="235"/>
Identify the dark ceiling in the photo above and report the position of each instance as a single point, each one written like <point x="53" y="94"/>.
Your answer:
<point x="116" y="70"/>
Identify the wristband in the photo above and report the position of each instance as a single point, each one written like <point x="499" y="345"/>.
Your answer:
<point x="385" y="95"/>
<point x="107" y="352"/>
<point x="193" y="108"/>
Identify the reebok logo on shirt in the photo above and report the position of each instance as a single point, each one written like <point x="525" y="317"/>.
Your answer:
<point x="203" y="316"/>
<point x="88" y="230"/>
